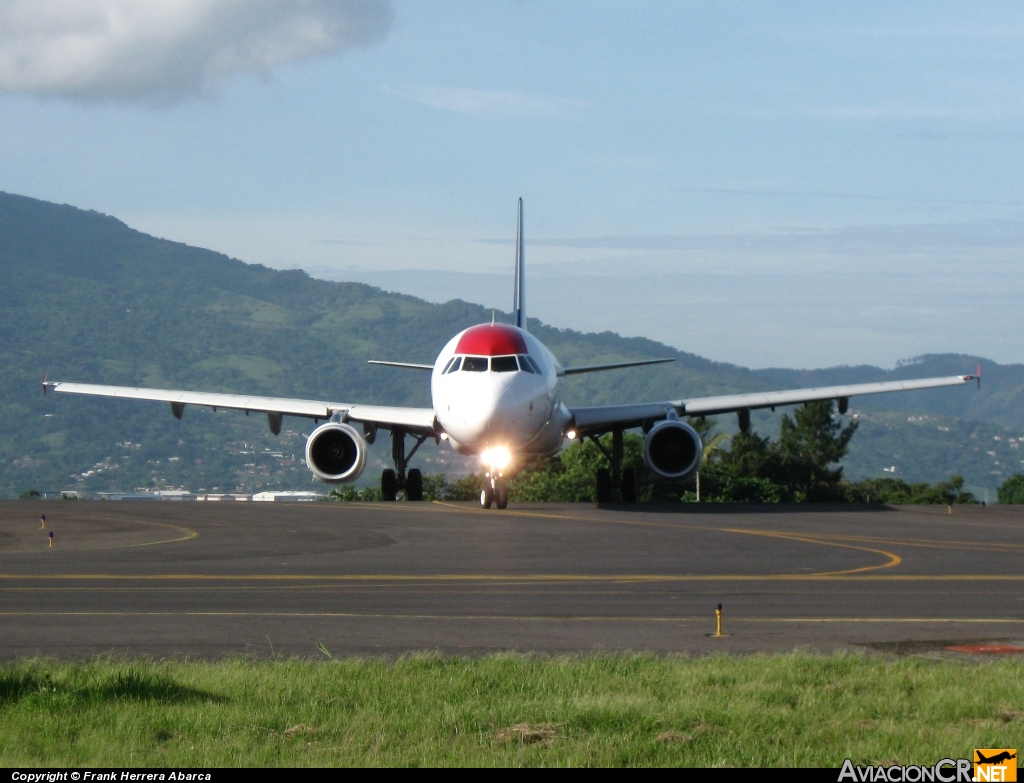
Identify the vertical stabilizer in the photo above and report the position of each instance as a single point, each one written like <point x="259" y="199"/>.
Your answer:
<point x="518" y="306"/>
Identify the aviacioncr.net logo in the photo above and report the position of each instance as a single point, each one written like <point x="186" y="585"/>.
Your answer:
<point x="944" y="771"/>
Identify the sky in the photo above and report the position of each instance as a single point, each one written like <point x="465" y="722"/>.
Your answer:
<point x="800" y="184"/>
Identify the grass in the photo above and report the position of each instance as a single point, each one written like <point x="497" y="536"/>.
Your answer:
<point x="508" y="710"/>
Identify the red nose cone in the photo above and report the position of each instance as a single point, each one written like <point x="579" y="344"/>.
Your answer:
<point x="491" y="340"/>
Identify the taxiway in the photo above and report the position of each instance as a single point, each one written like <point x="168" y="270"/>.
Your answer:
<point x="175" y="579"/>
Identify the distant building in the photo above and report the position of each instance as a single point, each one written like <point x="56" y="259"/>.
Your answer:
<point x="287" y="496"/>
<point x="128" y="496"/>
<point x="164" y="494"/>
<point x="173" y="494"/>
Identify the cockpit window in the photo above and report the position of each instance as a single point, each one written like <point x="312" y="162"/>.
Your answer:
<point x="453" y="364"/>
<point x="504" y="364"/>
<point x="474" y="364"/>
<point x="524" y="364"/>
<point x="530" y="360"/>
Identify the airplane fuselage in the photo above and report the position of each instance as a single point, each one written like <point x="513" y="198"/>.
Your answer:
<point x="497" y="385"/>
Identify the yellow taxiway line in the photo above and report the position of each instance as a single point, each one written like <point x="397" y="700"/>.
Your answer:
<point x="891" y="559"/>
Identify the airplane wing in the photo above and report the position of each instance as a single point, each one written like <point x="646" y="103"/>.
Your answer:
<point x="420" y="420"/>
<point x="406" y="365"/>
<point x="595" y="419"/>
<point x="616" y="366"/>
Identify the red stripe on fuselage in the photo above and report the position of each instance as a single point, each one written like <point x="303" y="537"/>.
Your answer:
<point x="491" y="340"/>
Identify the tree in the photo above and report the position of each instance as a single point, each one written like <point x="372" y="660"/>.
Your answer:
<point x="810" y="444"/>
<point x="1012" y="490"/>
<point x="753" y="455"/>
<point x="801" y="466"/>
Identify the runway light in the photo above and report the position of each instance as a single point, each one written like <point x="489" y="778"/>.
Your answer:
<point x="496" y="457"/>
<point x="571" y="434"/>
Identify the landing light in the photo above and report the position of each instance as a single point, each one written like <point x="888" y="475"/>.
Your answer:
<point x="496" y="457"/>
<point x="571" y="434"/>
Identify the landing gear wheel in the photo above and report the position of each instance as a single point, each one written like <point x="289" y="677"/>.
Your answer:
<point x="414" y="485"/>
<point x="388" y="485"/>
<point x="501" y="496"/>
<point x="629" y="485"/>
<point x="486" y="497"/>
<point x="604" y="486"/>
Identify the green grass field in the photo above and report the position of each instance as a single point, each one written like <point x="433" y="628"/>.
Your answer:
<point x="506" y="710"/>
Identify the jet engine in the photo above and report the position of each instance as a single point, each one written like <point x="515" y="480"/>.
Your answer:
<point x="672" y="450"/>
<point x="336" y="453"/>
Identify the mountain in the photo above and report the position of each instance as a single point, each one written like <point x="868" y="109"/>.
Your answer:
<point x="87" y="298"/>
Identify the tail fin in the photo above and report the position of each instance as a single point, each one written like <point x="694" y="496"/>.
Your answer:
<point x="518" y="307"/>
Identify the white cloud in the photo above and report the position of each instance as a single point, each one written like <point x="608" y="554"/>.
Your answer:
<point x="466" y="100"/>
<point x="169" y="49"/>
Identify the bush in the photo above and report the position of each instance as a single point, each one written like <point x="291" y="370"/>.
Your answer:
<point x="1012" y="490"/>
<point x="894" y="491"/>
<point x="436" y="486"/>
<point x="350" y="493"/>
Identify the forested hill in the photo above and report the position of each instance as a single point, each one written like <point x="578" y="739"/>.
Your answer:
<point x="87" y="298"/>
<point x="87" y="293"/>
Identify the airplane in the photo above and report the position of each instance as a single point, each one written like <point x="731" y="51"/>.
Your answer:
<point x="1003" y="756"/>
<point x="495" y="392"/>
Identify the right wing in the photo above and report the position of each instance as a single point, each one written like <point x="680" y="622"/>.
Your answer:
<point x="602" y="418"/>
<point x="406" y="365"/>
<point x="419" y="420"/>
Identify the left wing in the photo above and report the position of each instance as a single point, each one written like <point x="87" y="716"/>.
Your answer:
<point x="419" y="420"/>
<point x="594" y="419"/>
<point x="616" y="366"/>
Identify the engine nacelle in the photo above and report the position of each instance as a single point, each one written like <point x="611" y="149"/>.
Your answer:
<point x="336" y="453"/>
<point x="672" y="450"/>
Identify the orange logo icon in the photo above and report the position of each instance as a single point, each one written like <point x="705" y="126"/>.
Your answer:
<point x="995" y="764"/>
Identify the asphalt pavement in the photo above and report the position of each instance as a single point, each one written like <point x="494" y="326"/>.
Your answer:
<point x="210" y="579"/>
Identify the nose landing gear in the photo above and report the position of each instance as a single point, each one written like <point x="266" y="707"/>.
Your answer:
<point x="495" y="492"/>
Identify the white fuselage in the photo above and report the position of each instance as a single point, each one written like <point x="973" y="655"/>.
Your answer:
<point x="497" y="385"/>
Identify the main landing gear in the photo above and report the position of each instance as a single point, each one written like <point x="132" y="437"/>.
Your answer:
<point x="614" y="477"/>
<point x="391" y="481"/>
<point x="495" y="491"/>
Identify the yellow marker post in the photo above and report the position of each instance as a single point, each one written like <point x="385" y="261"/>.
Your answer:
<point x="949" y="509"/>
<point x="50" y="539"/>
<point x="718" y="620"/>
<point x="42" y="522"/>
